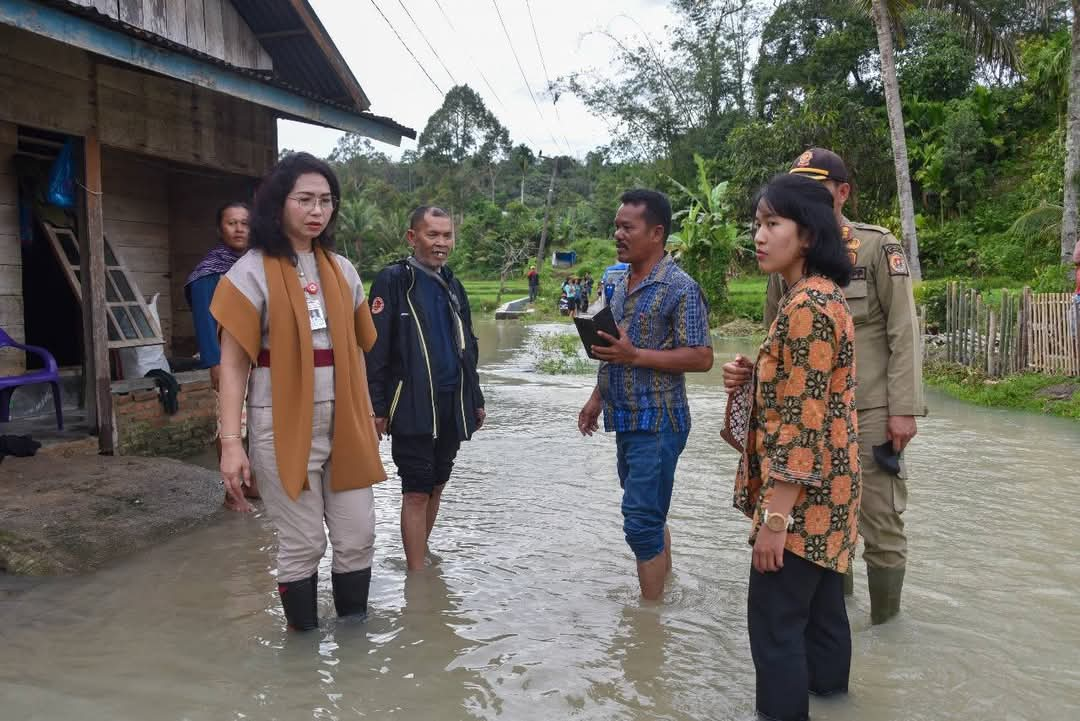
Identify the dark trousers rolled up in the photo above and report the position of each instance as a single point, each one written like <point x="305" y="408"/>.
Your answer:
<point x="799" y="637"/>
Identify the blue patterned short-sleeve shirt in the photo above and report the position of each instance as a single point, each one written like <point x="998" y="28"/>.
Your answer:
<point x="666" y="310"/>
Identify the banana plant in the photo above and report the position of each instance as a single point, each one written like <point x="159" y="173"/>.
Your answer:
<point x="709" y="239"/>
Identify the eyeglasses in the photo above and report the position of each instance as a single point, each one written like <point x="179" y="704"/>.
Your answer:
<point x="310" y="202"/>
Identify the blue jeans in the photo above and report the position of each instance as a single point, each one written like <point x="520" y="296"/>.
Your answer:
<point x="646" y="462"/>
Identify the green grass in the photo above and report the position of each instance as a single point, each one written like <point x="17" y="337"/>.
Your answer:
<point x="746" y="298"/>
<point x="482" y="293"/>
<point x="1017" y="392"/>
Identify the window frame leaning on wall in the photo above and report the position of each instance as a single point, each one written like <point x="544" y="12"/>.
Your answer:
<point x="130" y="322"/>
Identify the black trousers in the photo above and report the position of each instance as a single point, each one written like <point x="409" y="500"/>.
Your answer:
<point x="799" y="637"/>
<point x="424" y="462"/>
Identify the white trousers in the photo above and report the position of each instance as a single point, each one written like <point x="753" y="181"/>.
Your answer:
<point x="348" y="515"/>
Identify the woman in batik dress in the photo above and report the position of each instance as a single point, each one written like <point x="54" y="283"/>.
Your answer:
<point x="798" y="479"/>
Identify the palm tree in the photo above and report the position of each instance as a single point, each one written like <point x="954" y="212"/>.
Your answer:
<point x="885" y="14"/>
<point x="708" y="239"/>
<point x="986" y="41"/>
<point x="370" y="237"/>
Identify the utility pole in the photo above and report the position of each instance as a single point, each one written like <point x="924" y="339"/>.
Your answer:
<point x="547" y="210"/>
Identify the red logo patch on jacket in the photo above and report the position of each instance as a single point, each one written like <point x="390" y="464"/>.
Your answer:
<point x="377" y="305"/>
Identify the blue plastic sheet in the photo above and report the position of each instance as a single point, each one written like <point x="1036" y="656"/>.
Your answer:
<point x="61" y="191"/>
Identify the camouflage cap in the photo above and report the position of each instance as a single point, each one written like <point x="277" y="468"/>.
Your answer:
<point x="821" y="164"/>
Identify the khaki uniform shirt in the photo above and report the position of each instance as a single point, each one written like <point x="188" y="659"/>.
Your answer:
<point x="888" y="344"/>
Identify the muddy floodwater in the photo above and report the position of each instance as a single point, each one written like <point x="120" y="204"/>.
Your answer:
<point x="531" y="609"/>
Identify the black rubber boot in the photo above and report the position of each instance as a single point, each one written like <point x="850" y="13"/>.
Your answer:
<point x="351" y="592"/>
<point x="298" y="598"/>
<point x="885" y="586"/>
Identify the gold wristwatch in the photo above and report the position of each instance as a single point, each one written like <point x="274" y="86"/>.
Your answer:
<point x="777" y="522"/>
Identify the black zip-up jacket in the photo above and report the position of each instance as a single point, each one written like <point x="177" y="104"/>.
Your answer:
<point x="399" y="369"/>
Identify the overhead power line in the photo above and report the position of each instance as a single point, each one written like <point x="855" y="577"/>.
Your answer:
<point x="547" y="76"/>
<point x="430" y="46"/>
<point x="476" y="66"/>
<point x="465" y="47"/>
<point x="408" y="49"/>
<point x="522" y="71"/>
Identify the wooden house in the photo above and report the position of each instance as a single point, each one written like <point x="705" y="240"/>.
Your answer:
<point x="170" y="110"/>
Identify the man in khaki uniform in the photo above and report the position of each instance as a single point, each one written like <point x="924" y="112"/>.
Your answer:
<point x="888" y="360"/>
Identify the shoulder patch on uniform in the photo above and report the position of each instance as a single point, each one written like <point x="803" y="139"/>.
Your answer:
<point x="377" y="305"/>
<point x="859" y="273"/>
<point x="898" y="264"/>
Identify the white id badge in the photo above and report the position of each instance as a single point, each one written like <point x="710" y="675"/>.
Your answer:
<point x="315" y="313"/>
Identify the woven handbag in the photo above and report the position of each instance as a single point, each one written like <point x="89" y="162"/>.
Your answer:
<point x="740" y="405"/>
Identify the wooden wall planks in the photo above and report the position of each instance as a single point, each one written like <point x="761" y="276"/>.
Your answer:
<point x="193" y="204"/>
<point x="136" y="210"/>
<point x="11" y="315"/>
<point x="170" y="119"/>
<point x="213" y="27"/>
<point x="159" y="218"/>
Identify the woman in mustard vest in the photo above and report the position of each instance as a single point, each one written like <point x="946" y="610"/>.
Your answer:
<point x="294" y="323"/>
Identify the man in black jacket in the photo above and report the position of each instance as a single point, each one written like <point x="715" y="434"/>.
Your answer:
<point x="422" y="375"/>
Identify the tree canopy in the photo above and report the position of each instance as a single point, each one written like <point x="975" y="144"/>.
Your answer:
<point x="730" y="94"/>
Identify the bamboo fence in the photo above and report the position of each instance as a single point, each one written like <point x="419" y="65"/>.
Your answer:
<point x="1024" y="332"/>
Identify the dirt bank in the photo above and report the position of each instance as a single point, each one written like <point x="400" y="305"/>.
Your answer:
<point x="67" y="515"/>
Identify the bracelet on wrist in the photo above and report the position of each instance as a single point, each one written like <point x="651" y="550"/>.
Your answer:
<point x="229" y="437"/>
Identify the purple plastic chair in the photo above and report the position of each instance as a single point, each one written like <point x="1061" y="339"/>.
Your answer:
<point x="50" y="374"/>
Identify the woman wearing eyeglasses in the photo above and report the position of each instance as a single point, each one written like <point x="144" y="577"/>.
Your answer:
<point x="293" y="324"/>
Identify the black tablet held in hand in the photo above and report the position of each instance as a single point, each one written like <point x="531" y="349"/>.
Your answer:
<point x="587" y="327"/>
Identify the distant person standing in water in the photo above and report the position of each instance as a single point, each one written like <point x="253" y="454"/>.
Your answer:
<point x="233" y="232"/>
<point x="641" y="386"/>
<point x="294" y="321"/>
<point x="423" y="379"/>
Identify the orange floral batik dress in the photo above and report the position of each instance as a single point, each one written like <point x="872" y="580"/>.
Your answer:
<point x="802" y="427"/>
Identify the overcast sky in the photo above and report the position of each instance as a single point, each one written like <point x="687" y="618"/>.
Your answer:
<point x="398" y="88"/>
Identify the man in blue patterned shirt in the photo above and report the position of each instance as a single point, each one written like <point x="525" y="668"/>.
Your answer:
<point x="640" y="387"/>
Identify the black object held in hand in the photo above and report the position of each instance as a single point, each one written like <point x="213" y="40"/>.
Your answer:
<point x="887" y="458"/>
<point x="588" y="327"/>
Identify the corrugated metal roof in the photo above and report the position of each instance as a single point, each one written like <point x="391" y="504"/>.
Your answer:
<point x="307" y="64"/>
<point x="299" y="60"/>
